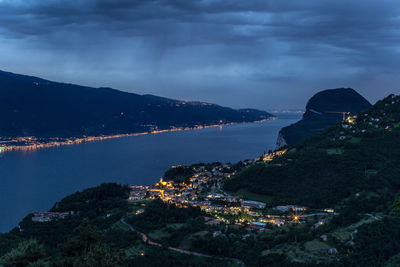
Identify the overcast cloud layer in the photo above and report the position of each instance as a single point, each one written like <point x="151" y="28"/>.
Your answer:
<point x="247" y="53"/>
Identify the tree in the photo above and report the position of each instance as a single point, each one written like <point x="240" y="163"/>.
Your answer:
<point x="396" y="207"/>
<point x="393" y="261"/>
<point x="27" y="253"/>
<point x="87" y="248"/>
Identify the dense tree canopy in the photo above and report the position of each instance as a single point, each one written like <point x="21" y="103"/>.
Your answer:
<point x="334" y="165"/>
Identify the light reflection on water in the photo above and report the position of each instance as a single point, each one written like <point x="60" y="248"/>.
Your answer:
<point x="34" y="180"/>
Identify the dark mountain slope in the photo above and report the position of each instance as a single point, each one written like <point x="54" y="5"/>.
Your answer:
<point x="323" y="110"/>
<point x="360" y="155"/>
<point x="31" y="106"/>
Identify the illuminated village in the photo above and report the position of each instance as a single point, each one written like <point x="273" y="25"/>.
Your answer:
<point x="204" y="190"/>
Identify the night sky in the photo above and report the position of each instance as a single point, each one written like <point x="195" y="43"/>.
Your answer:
<point x="246" y="53"/>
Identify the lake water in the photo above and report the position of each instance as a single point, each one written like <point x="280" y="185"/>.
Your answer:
<point x="33" y="181"/>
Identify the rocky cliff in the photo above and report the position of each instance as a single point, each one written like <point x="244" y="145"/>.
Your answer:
<point x="323" y="110"/>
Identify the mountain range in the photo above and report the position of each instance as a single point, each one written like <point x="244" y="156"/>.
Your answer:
<point x="340" y="189"/>
<point x="30" y="106"/>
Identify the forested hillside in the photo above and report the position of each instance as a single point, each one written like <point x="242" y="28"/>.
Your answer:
<point x="361" y="154"/>
<point x="31" y="106"/>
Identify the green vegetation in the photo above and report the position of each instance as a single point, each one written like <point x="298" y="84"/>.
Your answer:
<point x="118" y="245"/>
<point x="316" y="246"/>
<point x="375" y="243"/>
<point x="396" y="207"/>
<point x="335" y="151"/>
<point x="94" y="235"/>
<point x="334" y="165"/>
<point x="179" y="174"/>
<point x="246" y="194"/>
<point x="96" y="212"/>
<point x="159" y="214"/>
<point x="87" y="248"/>
<point x="394" y="261"/>
<point x="27" y="253"/>
<point x="102" y="206"/>
<point x="354" y="169"/>
<point x="163" y="257"/>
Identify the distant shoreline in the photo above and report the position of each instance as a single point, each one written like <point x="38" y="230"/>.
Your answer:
<point x="33" y="143"/>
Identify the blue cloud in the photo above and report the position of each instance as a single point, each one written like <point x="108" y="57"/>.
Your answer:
<point x="239" y="53"/>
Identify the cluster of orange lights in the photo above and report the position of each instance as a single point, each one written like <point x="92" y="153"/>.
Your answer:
<point x="275" y="154"/>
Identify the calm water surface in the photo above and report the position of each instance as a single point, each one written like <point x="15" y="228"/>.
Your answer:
<point x="33" y="181"/>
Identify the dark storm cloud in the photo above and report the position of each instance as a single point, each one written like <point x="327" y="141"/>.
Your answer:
<point x="230" y="52"/>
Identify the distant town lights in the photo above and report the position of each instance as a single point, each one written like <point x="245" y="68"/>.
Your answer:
<point x="351" y="119"/>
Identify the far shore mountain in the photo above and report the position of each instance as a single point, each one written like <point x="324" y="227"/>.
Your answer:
<point x="323" y="110"/>
<point x="30" y="106"/>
